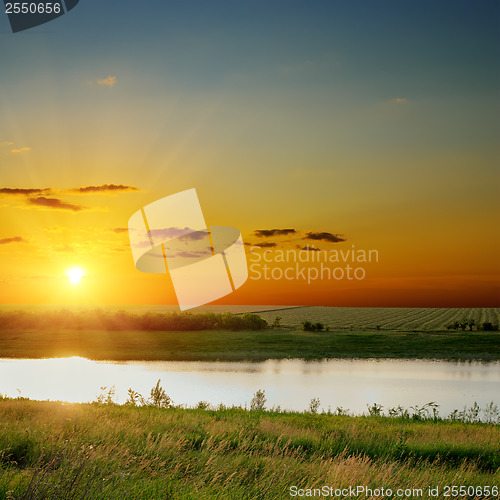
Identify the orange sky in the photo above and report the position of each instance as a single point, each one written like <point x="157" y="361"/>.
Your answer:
<point x="375" y="125"/>
<point x="420" y="259"/>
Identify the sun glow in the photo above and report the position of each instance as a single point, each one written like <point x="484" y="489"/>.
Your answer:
<point x="75" y="274"/>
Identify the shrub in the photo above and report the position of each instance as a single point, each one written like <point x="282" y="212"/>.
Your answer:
<point x="158" y="397"/>
<point x="375" y="410"/>
<point x="307" y="326"/>
<point x="314" y="405"/>
<point x="489" y="327"/>
<point x="259" y="400"/>
<point x="203" y="405"/>
<point x="253" y="322"/>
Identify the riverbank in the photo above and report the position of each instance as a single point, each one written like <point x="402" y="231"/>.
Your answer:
<point x="260" y="345"/>
<point x="109" y="451"/>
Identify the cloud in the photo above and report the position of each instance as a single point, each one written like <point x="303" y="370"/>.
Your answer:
<point x="14" y="239"/>
<point x="25" y="191"/>
<point x="37" y="197"/>
<point x="103" y="188"/>
<point x="192" y="255"/>
<point x="169" y="233"/>
<point x="400" y="99"/>
<point x="10" y="144"/>
<point x="119" y="230"/>
<point x="310" y="249"/>
<point x="264" y="233"/>
<point x="266" y="244"/>
<point x="55" y="204"/>
<point x="332" y="238"/>
<point x="110" y="81"/>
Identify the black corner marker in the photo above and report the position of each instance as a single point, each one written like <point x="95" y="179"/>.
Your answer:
<point x="26" y="15"/>
<point x="70" y="4"/>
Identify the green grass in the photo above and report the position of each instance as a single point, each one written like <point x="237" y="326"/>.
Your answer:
<point x="57" y="450"/>
<point x="248" y="345"/>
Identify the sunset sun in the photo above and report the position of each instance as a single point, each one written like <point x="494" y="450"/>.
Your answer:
<point x="75" y="274"/>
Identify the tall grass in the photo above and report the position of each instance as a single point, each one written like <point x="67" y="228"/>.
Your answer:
<point x="58" y="450"/>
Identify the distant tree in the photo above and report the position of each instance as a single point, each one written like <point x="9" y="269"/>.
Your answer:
<point x="489" y="327"/>
<point x="307" y="326"/>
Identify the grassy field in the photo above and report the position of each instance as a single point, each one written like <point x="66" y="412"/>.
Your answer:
<point x="248" y="345"/>
<point x="115" y="335"/>
<point x="356" y="318"/>
<point x="57" y="450"/>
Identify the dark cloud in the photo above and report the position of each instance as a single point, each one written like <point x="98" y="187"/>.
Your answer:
<point x="310" y="249"/>
<point x="119" y="230"/>
<point x="264" y="233"/>
<point x="25" y="191"/>
<point x="14" y="239"/>
<point x="266" y="244"/>
<point x="332" y="238"/>
<point x="104" y="188"/>
<point x="55" y="204"/>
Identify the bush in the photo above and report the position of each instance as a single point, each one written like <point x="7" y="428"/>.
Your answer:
<point x="314" y="405"/>
<point x="157" y="398"/>
<point x="259" y="400"/>
<point x="489" y="327"/>
<point x="307" y="326"/>
<point x="253" y="322"/>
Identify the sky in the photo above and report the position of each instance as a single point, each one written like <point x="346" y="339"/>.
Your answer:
<point x="365" y="123"/>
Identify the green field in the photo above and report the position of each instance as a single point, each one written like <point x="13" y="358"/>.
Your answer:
<point x="353" y="333"/>
<point x="247" y="345"/>
<point x="55" y="450"/>
<point x="358" y="318"/>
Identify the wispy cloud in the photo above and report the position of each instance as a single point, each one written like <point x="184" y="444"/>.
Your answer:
<point x="265" y="244"/>
<point x="332" y="238"/>
<point x="25" y="191"/>
<point x="103" y="188"/>
<point x="55" y="204"/>
<point x="310" y="249"/>
<point x="14" y="239"/>
<point x="400" y="99"/>
<point x="264" y="233"/>
<point x="38" y="197"/>
<point x="110" y="81"/>
<point x="10" y="146"/>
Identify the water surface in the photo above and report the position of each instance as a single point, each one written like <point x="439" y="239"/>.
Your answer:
<point x="351" y="384"/>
